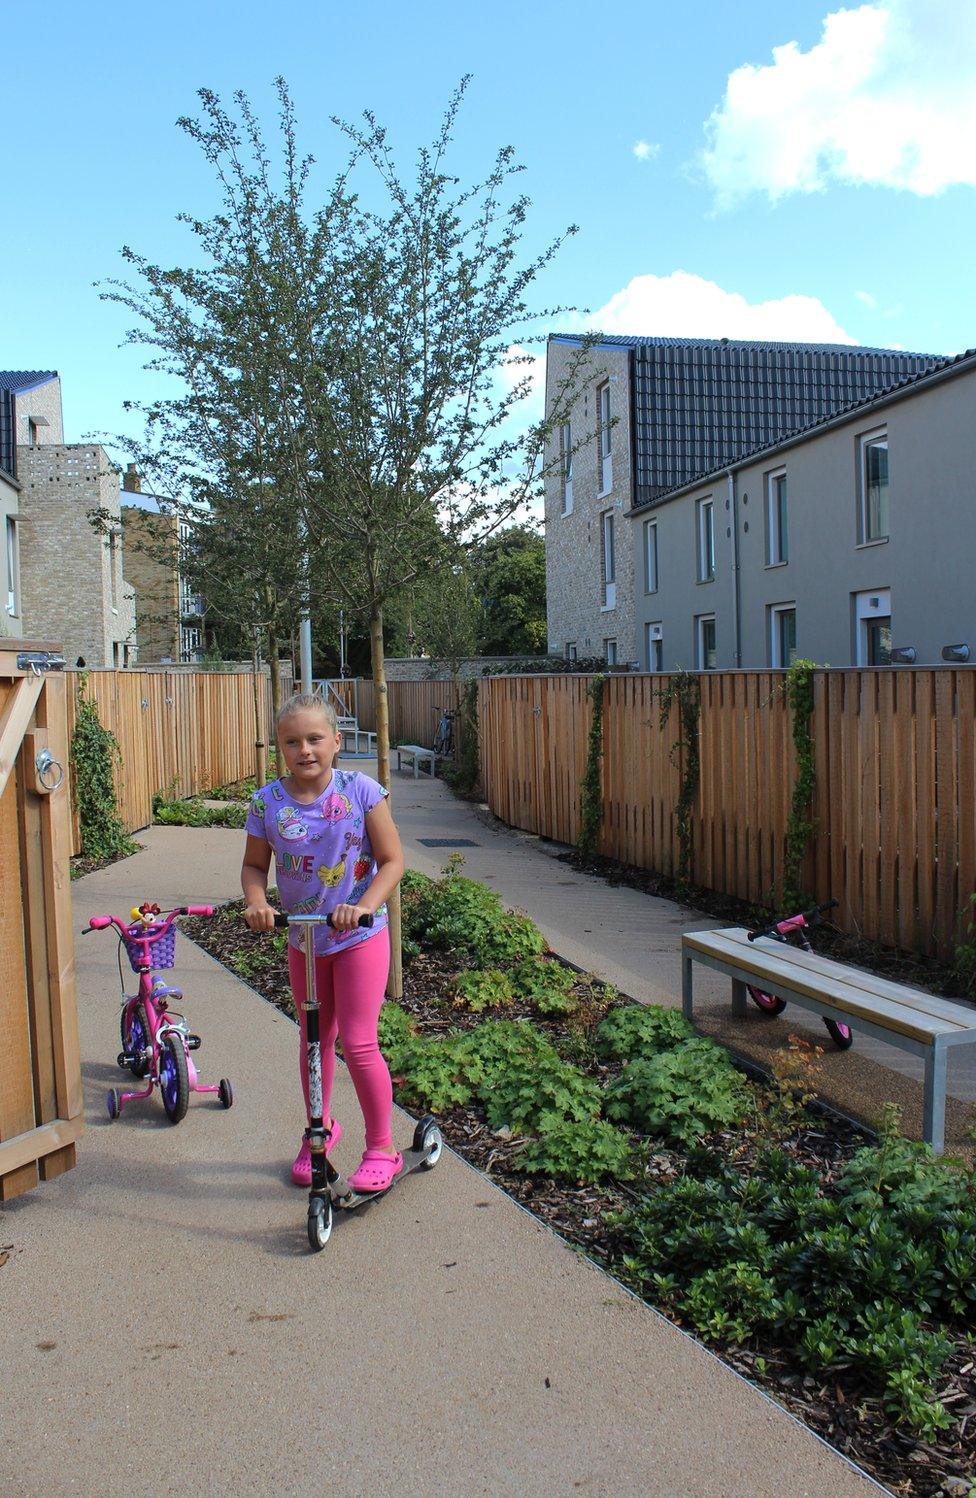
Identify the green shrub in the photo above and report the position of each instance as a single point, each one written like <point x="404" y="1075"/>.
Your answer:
<point x="546" y="985"/>
<point x="634" y="1029"/>
<point x="459" y="915"/>
<point x="488" y="989"/>
<point x="581" y="1152"/>
<point x="540" y="1094"/>
<point x="679" y="1094"/>
<point x="95" y="757"/>
<point x="193" y="813"/>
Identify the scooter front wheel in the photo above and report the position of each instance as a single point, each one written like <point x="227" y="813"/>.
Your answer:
<point x="319" y="1223"/>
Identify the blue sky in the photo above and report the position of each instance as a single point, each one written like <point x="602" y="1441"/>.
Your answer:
<point x="800" y="171"/>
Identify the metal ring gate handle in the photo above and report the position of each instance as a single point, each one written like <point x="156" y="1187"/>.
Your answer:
<point x="45" y="763"/>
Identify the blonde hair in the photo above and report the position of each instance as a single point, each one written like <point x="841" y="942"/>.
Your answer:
<point x="302" y="702"/>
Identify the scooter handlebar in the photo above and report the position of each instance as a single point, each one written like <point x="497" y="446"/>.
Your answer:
<point x="283" y="920"/>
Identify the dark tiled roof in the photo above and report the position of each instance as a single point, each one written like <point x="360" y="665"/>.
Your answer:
<point x="22" y="380"/>
<point x="642" y="340"/>
<point x="865" y="403"/>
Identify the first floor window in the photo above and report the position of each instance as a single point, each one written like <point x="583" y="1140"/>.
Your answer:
<point x="570" y="650"/>
<point x="705" y="631"/>
<point x="654" y="646"/>
<point x="610" y="652"/>
<point x="782" y="634"/>
<point x="777" y="531"/>
<point x="650" y="556"/>
<point x="608" y="560"/>
<point x="11" y="549"/>
<point x="873" y="524"/>
<point x="706" y="540"/>
<point x="566" y="465"/>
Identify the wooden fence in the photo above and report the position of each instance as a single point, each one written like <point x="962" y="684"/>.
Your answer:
<point x="895" y="803"/>
<point x="41" y="1106"/>
<point x="185" y="731"/>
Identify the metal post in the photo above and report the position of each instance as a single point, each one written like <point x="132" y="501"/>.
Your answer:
<point x="686" y="982"/>
<point x="739" y="1006"/>
<point x="305" y="650"/>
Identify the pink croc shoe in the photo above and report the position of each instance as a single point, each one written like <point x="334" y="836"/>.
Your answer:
<point x="377" y="1171"/>
<point x="301" y="1171"/>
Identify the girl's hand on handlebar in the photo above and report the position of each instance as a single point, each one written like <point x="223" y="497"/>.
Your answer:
<point x="259" y="917"/>
<point x="347" y="917"/>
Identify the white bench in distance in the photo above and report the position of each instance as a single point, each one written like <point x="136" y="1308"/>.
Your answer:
<point x="419" y="755"/>
<point x="902" y="1016"/>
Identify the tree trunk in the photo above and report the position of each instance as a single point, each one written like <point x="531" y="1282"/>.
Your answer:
<point x="260" y="761"/>
<point x="394" y="987"/>
<point x="274" y="657"/>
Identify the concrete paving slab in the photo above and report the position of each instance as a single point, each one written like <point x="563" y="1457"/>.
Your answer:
<point x="163" y="1318"/>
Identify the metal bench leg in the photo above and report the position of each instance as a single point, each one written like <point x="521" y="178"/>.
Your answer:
<point x="739" y="1006"/>
<point x="686" y="987"/>
<point x="933" y="1127"/>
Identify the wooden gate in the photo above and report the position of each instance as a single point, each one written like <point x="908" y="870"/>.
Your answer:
<point x="41" y="1112"/>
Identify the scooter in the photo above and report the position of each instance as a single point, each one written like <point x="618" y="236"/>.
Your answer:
<point x="329" y="1189"/>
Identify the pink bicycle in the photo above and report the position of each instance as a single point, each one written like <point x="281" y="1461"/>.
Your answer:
<point x="156" y="1039"/>
<point x="794" y="927"/>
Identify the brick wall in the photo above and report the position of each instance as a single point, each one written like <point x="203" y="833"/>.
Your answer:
<point x="151" y="565"/>
<point x="41" y="405"/>
<point x="72" y="585"/>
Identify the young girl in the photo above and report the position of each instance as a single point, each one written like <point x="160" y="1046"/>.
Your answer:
<point x="336" y="851"/>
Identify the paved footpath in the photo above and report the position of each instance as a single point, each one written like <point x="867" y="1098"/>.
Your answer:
<point x="162" y="1317"/>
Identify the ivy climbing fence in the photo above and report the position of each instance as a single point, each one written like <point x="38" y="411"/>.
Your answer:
<point x="894" y="798"/>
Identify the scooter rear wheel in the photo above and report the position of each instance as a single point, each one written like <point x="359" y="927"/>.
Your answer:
<point x="319" y="1223"/>
<point x="428" y="1141"/>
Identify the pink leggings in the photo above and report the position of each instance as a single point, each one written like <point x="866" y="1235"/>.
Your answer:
<point x="350" y="986"/>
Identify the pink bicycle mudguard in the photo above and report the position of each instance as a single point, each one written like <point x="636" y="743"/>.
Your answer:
<point x="199" y="910"/>
<point x="98" y="922"/>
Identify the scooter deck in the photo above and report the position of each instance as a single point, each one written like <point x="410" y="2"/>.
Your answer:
<point x="412" y="1161"/>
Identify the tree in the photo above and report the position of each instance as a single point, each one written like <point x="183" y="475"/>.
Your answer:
<point x="347" y="359"/>
<point x="508" y="575"/>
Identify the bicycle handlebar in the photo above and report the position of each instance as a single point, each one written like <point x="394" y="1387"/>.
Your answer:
<point x="154" y="930"/>
<point x="283" y="920"/>
<point x="805" y="918"/>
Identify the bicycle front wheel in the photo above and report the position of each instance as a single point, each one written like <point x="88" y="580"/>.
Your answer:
<point x="174" y="1079"/>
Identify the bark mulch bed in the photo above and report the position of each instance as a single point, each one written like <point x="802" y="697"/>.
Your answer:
<point x="848" y="1417"/>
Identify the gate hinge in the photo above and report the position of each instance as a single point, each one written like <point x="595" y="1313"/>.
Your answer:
<point x="37" y="661"/>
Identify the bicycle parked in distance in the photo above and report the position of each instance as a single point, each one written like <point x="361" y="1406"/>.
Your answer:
<point x="793" y="929"/>
<point x="444" y="737"/>
<point x="156" y="1039"/>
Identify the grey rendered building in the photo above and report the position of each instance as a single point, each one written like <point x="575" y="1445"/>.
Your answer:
<point x="848" y="539"/>
<point x="648" y="415"/>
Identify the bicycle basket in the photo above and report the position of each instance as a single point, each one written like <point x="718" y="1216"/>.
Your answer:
<point x="150" y="944"/>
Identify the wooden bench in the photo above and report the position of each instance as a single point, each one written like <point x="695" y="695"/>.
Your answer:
<point x="419" y="755"/>
<point x="902" y="1016"/>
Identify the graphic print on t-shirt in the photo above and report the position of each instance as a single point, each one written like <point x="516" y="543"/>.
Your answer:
<point x="290" y="824"/>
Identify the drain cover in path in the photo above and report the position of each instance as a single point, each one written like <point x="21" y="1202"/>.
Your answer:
<point x="448" y="842"/>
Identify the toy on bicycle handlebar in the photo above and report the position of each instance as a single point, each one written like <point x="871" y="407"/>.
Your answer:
<point x="329" y="1189"/>
<point x="795" y="927"/>
<point x="156" y="1039"/>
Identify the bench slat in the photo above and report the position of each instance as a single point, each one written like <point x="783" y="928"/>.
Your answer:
<point x="813" y="983"/>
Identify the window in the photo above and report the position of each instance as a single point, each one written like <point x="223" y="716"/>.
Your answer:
<point x="782" y="634"/>
<point x="872" y="628"/>
<point x="11" y="551"/>
<point x="603" y="430"/>
<point x="608" y="561"/>
<point x="33" y="433"/>
<point x="650" y="556"/>
<point x="654" y="644"/>
<point x="610" y="652"/>
<point x="705" y="642"/>
<point x="191" y="642"/>
<point x="570" y="650"/>
<point x="113" y="568"/>
<point x="706" y="541"/>
<point x="566" y="465"/>
<point x="777" y="532"/>
<point x="873" y="518"/>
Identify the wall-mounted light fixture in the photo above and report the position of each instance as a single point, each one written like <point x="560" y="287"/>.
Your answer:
<point x="904" y="655"/>
<point x="955" y="652"/>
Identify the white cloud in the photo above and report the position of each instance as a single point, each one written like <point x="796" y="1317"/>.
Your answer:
<point x="682" y="305"/>
<point x="886" y="97"/>
<point x="867" y="299"/>
<point x="646" y="150"/>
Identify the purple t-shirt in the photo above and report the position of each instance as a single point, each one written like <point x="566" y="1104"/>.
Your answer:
<point x="322" y="852"/>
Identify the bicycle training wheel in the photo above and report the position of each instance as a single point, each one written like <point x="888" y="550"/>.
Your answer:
<point x="136" y="1040"/>
<point x="174" y="1080"/>
<point x="767" y="1002"/>
<point x="840" y="1034"/>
